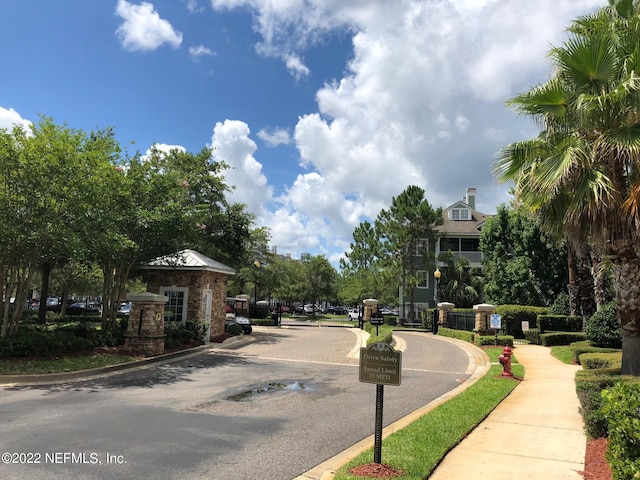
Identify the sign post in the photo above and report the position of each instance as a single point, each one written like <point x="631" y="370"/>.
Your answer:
<point x="382" y="365"/>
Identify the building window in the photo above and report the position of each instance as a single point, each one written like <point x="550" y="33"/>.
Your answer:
<point x="470" y="244"/>
<point x="449" y="244"/>
<point x="459" y="214"/>
<point x="175" y="310"/>
<point x="423" y="279"/>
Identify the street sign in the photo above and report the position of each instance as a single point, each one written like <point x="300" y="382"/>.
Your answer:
<point x="496" y="321"/>
<point x="376" y="320"/>
<point x="381" y="364"/>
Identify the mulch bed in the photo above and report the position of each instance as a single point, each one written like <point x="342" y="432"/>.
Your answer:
<point x="595" y="462"/>
<point x="375" y="470"/>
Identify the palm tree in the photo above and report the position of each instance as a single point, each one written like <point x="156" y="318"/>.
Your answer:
<point x="583" y="170"/>
<point x="461" y="284"/>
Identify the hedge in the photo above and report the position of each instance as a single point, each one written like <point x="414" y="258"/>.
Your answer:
<point x="589" y="386"/>
<point x="514" y="315"/>
<point x="580" y="347"/>
<point x="502" y="340"/>
<point x="621" y="410"/>
<point x="43" y="344"/>
<point x="559" y="323"/>
<point x="593" y="361"/>
<point x="561" y="338"/>
<point x="459" y="334"/>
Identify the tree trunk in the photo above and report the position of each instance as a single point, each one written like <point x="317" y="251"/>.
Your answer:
<point x="585" y="281"/>
<point x="44" y="292"/>
<point x="573" y="289"/>
<point x="626" y="272"/>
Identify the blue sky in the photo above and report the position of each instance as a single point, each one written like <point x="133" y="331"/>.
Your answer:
<point x="325" y="109"/>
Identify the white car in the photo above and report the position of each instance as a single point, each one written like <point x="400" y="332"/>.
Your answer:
<point x="353" y="314"/>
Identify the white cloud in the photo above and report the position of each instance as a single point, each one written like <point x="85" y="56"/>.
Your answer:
<point x="296" y="67"/>
<point x="143" y="29"/>
<point x="275" y="137"/>
<point x="232" y="145"/>
<point x="197" y="51"/>
<point x="422" y="100"/>
<point x="161" y="148"/>
<point x="10" y="118"/>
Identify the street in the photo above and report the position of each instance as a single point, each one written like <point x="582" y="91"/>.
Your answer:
<point x="271" y="409"/>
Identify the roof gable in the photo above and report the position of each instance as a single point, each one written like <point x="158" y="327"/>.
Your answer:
<point x="188" y="260"/>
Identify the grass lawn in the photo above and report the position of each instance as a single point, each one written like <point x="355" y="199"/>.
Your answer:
<point x="418" y="448"/>
<point x="61" y="365"/>
<point x="564" y="354"/>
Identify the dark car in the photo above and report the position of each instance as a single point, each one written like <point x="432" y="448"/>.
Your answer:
<point x="83" y="308"/>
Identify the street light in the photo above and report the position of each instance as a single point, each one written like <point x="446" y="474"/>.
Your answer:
<point x="255" y="283"/>
<point x="436" y="277"/>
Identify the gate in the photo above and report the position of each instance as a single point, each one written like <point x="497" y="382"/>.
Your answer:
<point x="317" y="321"/>
<point x="461" y="320"/>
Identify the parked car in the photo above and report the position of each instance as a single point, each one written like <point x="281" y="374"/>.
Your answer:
<point x="83" y="308"/>
<point x="125" y="309"/>
<point x="353" y="314"/>
<point x="242" y="322"/>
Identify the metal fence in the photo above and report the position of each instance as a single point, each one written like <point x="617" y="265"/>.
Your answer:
<point x="461" y="321"/>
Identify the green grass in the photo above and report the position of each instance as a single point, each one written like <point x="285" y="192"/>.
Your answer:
<point x="61" y="365"/>
<point x="564" y="354"/>
<point x="418" y="448"/>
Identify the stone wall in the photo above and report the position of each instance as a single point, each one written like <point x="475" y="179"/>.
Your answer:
<point x="197" y="282"/>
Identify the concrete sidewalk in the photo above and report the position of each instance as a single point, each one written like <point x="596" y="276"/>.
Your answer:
<point x="535" y="433"/>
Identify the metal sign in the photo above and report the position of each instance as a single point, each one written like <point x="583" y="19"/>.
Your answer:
<point x="525" y="325"/>
<point x="380" y="364"/>
<point x="376" y="319"/>
<point x="496" y="321"/>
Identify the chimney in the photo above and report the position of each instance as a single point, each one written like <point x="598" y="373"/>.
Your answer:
<point x="471" y="197"/>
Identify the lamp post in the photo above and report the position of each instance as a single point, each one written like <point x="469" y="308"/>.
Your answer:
<point x="436" y="278"/>
<point x="256" y="264"/>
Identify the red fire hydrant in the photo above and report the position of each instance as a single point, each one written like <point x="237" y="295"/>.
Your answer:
<point x="505" y="361"/>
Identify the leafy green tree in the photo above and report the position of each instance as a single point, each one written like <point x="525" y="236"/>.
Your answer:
<point x="521" y="264"/>
<point x="582" y="169"/>
<point x="402" y="229"/>
<point x="319" y="279"/>
<point x="49" y="176"/>
<point x="460" y="283"/>
<point x="363" y="270"/>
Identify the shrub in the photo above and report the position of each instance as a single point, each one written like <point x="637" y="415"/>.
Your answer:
<point x="621" y="410"/>
<point x="178" y="333"/>
<point x="560" y="305"/>
<point x="593" y="361"/>
<point x="459" y="334"/>
<point x="561" y="338"/>
<point x="533" y="336"/>
<point x="261" y="311"/>
<point x="589" y="385"/>
<point x="502" y="340"/>
<point x="514" y="315"/>
<point x="578" y="348"/>
<point x="43" y="343"/>
<point x="603" y="329"/>
<point x="559" y="323"/>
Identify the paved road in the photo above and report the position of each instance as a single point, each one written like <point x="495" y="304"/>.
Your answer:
<point x="208" y="416"/>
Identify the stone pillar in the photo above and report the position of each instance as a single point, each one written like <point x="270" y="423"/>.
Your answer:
<point x="370" y="306"/>
<point x="483" y="318"/>
<point x="145" y="330"/>
<point x="443" y="312"/>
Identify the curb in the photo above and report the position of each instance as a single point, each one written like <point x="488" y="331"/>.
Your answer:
<point x="479" y="365"/>
<point x="51" y="378"/>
